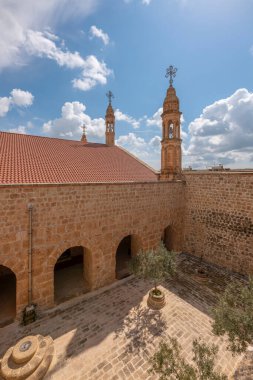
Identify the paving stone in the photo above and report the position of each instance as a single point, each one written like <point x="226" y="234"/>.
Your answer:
<point x="112" y="335"/>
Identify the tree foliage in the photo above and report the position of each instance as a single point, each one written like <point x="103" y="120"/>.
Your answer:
<point x="168" y="362"/>
<point x="234" y="315"/>
<point x="204" y="358"/>
<point x="154" y="264"/>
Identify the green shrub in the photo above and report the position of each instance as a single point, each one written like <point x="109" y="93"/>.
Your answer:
<point x="168" y="362"/>
<point x="234" y="315"/>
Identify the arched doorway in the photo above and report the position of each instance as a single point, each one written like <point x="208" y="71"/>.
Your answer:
<point x="7" y="296"/>
<point x="128" y="247"/>
<point x="167" y="238"/>
<point x="123" y="256"/>
<point x="71" y="274"/>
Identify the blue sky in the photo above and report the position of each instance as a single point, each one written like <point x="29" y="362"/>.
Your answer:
<point x="59" y="58"/>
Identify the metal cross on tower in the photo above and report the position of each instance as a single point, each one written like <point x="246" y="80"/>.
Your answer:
<point x="110" y="96"/>
<point x="171" y="72"/>
<point x="84" y="129"/>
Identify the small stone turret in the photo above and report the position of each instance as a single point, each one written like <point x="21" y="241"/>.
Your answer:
<point x="84" y="138"/>
<point x="171" y="161"/>
<point x="109" y="122"/>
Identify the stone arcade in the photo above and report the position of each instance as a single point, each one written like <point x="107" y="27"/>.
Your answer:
<point x="91" y="206"/>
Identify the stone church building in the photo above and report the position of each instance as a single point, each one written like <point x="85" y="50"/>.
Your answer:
<point x="72" y="213"/>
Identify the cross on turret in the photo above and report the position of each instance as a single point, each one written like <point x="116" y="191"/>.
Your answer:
<point x="171" y="72"/>
<point x="84" y="138"/>
<point x="110" y="96"/>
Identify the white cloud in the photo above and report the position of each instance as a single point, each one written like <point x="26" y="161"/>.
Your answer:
<point x="18" y="17"/>
<point x="94" y="72"/>
<point x="224" y="132"/>
<point x="156" y="119"/>
<point x="155" y="143"/>
<point x="69" y="125"/>
<point x="20" y="40"/>
<point x="4" y="105"/>
<point x="21" y="129"/>
<point x="148" y="151"/>
<point x="120" y="116"/>
<point x="21" y="98"/>
<point x="145" y="2"/>
<point x="17" y="98"/>
<point x="39" y="45"/>
<point x="132" y="140"/>
<point x="99" y="33"/>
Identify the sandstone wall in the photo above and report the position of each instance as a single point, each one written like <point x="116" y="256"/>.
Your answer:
<point x="95" y="216"/>
<point x="219" y="218"/>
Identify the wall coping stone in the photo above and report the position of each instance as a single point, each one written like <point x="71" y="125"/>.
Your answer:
<point x="89" y="183"/>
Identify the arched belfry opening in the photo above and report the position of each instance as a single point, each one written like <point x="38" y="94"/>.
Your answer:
<point x="171" y="130"/>
<point x="167" y="238"/>
<point x="127" y="248"/>
<point x="71" y="274"/>
<point x="7" y="296"/>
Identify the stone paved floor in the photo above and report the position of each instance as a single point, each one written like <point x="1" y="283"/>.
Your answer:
<point x="110" y="335"/>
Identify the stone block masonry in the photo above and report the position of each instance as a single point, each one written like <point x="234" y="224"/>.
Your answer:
<point x="94" y="216"/>
<point x="209" y="214"/>
<point x="218" y="220"/>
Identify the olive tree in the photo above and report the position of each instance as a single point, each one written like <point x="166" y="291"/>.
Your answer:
<point x="169" y="363"/>
<point x="154" y="264"/>
<point x="233" y="315"/>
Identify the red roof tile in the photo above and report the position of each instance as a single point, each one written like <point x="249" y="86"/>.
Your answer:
<point x="33" y="159"/>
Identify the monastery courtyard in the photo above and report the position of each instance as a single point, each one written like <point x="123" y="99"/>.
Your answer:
<point x="110" y="334"/>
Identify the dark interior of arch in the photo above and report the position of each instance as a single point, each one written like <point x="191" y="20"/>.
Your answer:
<point x="167" y="238"/>
<point x="69" y="275"/>
<point x="7" y="296"/>
<point x="123" y="256"/>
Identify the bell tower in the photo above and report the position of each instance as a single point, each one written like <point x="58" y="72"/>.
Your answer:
<point x="109" y="122"/>
<point x="171" y="166"/>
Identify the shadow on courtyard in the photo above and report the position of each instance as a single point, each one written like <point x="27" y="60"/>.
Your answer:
<point x="140" y="327"/>
<point x="201" y="292"/>
<point x="117" y="312"/>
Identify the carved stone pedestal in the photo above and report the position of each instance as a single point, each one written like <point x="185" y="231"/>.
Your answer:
<point x="29" y="359"/>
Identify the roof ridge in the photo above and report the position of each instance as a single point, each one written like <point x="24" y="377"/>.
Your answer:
<point x="43" y="137"/>
<point x="47" y="137"/>
<point x="137" y="159"/>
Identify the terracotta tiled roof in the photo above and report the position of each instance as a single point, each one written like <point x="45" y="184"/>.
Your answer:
<point x="33" y="159"/>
